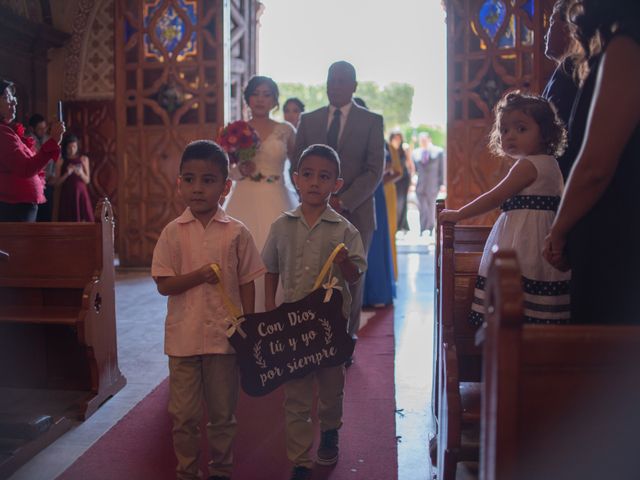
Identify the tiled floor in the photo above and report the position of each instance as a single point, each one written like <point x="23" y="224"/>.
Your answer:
<point x="414" y="339"/>
<point x="140" y="313"/>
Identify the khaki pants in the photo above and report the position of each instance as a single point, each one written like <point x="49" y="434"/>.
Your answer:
<point x="214" y="379"/>
<point x="298" y="403"/>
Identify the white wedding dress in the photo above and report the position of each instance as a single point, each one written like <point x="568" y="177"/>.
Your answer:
<point x="257" y="203"/>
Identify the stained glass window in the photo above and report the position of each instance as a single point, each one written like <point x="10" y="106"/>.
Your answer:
<point x="474" y="29"/>
<point x="491" y="16"/>
<point x="526" y="35"/>
<point x="508" y="38"/>
<point x="128" y="30"/>
<point x="529" y="7"/>
<point x="169" y="28"/>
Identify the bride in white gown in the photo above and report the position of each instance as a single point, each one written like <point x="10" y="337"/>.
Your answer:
<point x="258" y="198"/>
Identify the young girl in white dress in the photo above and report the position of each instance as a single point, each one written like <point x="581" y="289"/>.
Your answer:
<point x="260" y="195"/>
<point x="526" y="129"/>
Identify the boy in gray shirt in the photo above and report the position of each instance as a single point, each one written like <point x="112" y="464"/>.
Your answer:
<point x="299" y="243"/>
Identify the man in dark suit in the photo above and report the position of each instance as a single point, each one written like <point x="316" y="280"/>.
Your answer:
<point x="357" y="135"/>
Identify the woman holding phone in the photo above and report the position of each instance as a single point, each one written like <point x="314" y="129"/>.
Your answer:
<point x="73" y="174"/>
<point x="21" y="174"/>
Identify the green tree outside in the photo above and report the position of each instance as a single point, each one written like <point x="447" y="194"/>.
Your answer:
<point x="437" y="132"/>
<point x="393" y="102"/>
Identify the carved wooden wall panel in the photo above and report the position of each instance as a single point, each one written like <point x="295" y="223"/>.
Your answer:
<point x="89" y="57"/>
<point x="89" y="89"/>
<point x="493" y="46"/>
<point x="94" y="122"/>
<point x="170" y="79"/>
<point x="243" y="51"/>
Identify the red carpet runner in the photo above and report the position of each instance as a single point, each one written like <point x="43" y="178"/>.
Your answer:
<point x="139" y="446"/>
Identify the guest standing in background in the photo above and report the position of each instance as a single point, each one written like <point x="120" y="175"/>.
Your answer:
<point x="429" y="163"/>
<point x="561" y="89"/>
<point x="600" y="208"/>
<point x="21" y="185"/>
<point x="357" y="135"/>
<point x="392" y="173"/>
<point x="292" y="109"/>
<point x="38" y="131"/>
<point x="379" y="281"/>
<point x="73" y="175"/>
<point x="396" y="147"/>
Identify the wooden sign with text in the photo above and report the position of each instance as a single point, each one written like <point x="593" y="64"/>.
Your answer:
<point x="291" y="341"/>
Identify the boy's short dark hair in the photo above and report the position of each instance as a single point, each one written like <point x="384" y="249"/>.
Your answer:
<point x="320" y="150"/>
<point x="35" y="119"/>
<point x="208" y="151"/>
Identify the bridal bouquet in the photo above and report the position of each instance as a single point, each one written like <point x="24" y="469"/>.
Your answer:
<point x="240" y="140"/>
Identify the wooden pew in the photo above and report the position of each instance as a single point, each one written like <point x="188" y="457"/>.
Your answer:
<point x="458" y="444"/>
<point x="459" y="250"/>
<point x="58" y="353"/>
<point x="558" y="401"/>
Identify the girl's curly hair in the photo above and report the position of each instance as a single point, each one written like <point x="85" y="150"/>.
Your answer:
<point x="552" y="131"/>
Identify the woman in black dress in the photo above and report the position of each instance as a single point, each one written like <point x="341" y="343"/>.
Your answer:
<point x="597" y="227"/>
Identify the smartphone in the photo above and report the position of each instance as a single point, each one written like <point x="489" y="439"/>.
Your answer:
<point x="60" y="119"/>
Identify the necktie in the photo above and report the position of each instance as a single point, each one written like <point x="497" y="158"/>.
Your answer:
<point x="334" y="130"/>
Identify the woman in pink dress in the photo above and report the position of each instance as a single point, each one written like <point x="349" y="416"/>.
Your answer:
<point x="73" y="174"/>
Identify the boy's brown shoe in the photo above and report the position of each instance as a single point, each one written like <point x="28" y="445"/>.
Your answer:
<point x="328" y="451"/>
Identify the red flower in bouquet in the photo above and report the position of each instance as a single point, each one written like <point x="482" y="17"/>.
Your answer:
<point x="240" y="140"/>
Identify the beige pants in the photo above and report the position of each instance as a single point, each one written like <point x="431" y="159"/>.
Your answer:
<point x="298" y="403"/>
<point x="214" y="379"/>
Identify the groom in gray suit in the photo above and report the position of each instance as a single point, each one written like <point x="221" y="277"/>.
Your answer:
<point x="357" y="135"/>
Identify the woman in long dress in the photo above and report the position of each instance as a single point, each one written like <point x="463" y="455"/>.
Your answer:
<point x="392" y="173"/>
<point x="73" y="175"/>
<point x="259" y="194"/>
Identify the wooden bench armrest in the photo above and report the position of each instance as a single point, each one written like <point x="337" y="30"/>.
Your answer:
<point x="39" y="314"/>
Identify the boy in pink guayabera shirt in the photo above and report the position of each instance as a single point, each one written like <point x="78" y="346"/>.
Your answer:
<point x="202" y="364"/>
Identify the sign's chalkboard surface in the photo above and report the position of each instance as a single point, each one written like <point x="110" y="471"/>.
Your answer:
<point x="291" y="341"/>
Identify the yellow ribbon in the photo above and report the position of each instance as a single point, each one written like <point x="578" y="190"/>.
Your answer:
<point x="234" y="312"/>
<point x="327" y="270"/>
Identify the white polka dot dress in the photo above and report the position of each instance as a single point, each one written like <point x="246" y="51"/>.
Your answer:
<point x="522" y="226"/>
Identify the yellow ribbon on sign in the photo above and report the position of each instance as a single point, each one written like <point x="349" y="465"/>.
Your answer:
<point x="234" y="312"/>
<point x="327" y="270"/>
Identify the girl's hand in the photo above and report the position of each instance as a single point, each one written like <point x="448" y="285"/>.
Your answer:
<point x="449" y="216"/>
<point x="553" y="250"/>
<point x="70" y="169"/>
<point x="207" y="275"/>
